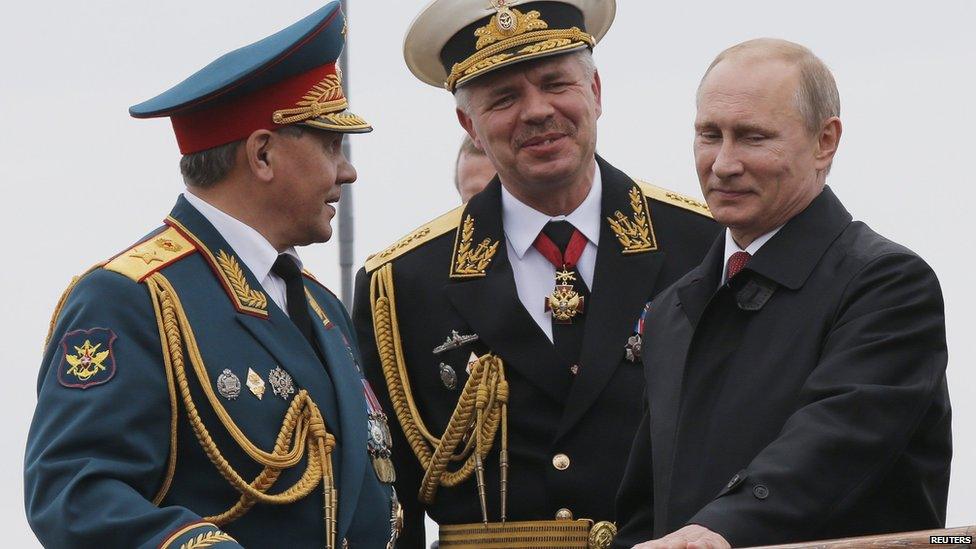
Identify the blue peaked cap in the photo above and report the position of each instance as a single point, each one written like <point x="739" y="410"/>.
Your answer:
<point x="265" y="85"/>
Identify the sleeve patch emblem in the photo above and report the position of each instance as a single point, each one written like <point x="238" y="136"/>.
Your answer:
<point x="88" y="358"/>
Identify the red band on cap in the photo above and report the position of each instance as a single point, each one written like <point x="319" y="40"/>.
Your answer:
<point x="229" y="121"/>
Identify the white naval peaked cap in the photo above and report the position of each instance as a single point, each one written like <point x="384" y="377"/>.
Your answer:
<point x="454" y="41"/>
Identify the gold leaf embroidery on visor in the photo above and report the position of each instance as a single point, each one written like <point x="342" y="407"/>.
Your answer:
<point x="324" y="98"/>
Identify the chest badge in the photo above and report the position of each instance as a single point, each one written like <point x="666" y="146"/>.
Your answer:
<point x="229" y="385"/>
<point x="632" y="350"/>
<point x="281" y="382"/>
<point x="455" y="341"/>
<point x="448" y="376"/>
<point x="255" y="383"/>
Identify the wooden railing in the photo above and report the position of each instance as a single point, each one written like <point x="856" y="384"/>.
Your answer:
<point x="963" y="536"/>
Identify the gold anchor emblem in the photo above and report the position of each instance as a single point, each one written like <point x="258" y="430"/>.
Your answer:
<point x="564" y="302"/>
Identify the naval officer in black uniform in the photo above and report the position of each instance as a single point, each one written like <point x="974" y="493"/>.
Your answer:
<point x="503" y="332"/>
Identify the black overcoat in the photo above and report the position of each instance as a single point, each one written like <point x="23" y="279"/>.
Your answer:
<point x="806" y="399"/>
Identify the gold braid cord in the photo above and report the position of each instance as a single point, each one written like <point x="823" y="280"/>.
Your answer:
<point x="480" y="410"/>
<point x="302" y="431"/>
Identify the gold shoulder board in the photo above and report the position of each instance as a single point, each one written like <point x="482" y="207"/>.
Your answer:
<point x="151" y="255"/>
<point x="420" y="235"/>
<point x="675" y="199"/>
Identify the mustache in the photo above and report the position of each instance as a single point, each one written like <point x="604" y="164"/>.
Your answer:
<point x="549" y="126"/>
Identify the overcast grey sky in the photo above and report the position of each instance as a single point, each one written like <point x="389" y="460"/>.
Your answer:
<point x="84" y="180"/>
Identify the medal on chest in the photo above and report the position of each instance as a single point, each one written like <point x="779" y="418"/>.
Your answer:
<point x="379" y="441"/>
<point x="564" y="302"/>
<point x="632" y="350"/>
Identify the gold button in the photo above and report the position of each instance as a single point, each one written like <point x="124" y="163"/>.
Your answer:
<point x="560" y="461"/>
<point x="564" y="514"/>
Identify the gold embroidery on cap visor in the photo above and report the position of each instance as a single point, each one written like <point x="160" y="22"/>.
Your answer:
<point x="321" y="107"/>
<point x="510" y="29"/>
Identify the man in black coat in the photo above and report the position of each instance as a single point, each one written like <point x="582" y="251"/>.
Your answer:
<point x="796" y="378"/>
<point x="515" y="380"/>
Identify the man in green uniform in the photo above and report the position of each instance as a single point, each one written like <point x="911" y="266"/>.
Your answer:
<point x="199" y="389"/>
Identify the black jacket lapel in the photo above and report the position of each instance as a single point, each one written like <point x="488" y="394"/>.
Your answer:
<point x="622" y="284"/>
<point x="490" y="303"/>
<point x="702" y="282"/>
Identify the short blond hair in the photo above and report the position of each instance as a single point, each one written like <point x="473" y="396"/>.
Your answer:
<point x="817" y="98"/>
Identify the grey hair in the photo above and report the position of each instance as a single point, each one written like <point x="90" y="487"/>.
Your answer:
<point x="817" y="98"/>
<point x="206" y="168"/>
<point x="462" y="95"/>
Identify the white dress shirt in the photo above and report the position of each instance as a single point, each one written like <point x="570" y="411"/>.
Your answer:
<point x="731" y="247"/>
<point x="535" y="277"/>
<point x="250" y="246"/>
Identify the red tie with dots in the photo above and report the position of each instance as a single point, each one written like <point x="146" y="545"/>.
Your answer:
<point x="737" y="262"/>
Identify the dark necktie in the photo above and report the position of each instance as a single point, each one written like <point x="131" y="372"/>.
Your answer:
<point x="288" y="270"/>
<point x="567" y="337"/>
<point x="737" y="262"/>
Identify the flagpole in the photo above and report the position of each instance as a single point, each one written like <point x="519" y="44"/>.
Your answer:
<point x="346" y="231"/>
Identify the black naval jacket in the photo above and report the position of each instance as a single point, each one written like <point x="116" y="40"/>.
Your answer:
<point x="591" y="418"/>
<point x="805" y="399"/>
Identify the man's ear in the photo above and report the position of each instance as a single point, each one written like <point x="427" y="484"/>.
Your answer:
<point x="827" y="142"/>
<point x="597" y="91"/>
<point x="468" y="126"/>
<point x="258" y="152"/>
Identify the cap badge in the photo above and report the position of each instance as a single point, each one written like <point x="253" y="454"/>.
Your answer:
<point x="506" y="23"/>
<point x="511" y="35"/>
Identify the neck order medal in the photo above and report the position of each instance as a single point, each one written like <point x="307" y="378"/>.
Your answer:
<point x="564" y="301"/>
